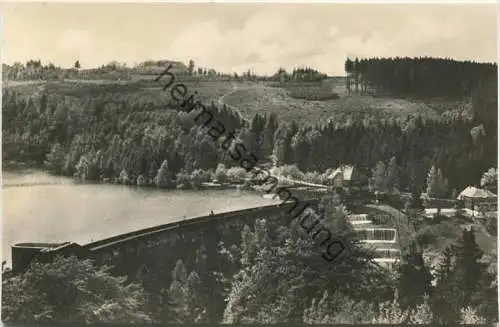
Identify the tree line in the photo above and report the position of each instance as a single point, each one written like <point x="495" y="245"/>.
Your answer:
<point x="417" y="77"/>
<point x="301" y="74"/>
<point x="114" y="70"/>
<point x="103" y="136"/>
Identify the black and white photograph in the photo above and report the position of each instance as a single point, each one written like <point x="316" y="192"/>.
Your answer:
<point x="249" y="163"/>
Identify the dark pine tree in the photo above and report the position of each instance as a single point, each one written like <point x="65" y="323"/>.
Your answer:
<point x="445" y="305"/>
<point x="415" y="279"/>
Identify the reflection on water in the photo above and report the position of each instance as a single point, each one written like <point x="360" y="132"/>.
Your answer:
<point x="53" y="209"/>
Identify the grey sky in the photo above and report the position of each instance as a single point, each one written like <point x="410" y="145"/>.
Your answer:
<point x="236" y="37"/>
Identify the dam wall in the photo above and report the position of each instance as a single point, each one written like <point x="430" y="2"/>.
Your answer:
<point x="125" y="251"/>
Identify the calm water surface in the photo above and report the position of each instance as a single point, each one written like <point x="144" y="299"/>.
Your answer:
<point x="38" y="207"/>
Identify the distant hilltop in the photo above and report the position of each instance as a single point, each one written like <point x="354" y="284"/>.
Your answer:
<point x="160" y="65"/>
<point x="34" y="69"/>
<point x="145" y="67"/>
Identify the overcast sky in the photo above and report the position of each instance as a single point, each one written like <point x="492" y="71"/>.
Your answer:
<point x="236" y="37"/>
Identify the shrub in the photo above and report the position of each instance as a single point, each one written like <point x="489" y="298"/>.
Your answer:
<point x="221" y="173"/>
<point x="199" y="176"/>
<point x="141" y="181"/>
<point x="183" y="180"/>
<point x="438" y="233"/>
<point x="491" y="226"/>
<point x="236" y="174"/>
<point x="70" y="290"/>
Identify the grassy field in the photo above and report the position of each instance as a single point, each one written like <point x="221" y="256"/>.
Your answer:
<point x="265" y="99"/>
<point x="208" y="91"/>
<point x="326" y="90"/>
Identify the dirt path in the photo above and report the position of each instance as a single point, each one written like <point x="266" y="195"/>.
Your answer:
<point x="230" y="106"/>
<point x="294" y="181"/>
<point x="237" y="88"/>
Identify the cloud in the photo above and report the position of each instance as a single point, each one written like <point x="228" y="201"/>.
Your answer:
<point x="270" y="39"/>
<point x="235" y="38"/>
<point x="266" y="41"/>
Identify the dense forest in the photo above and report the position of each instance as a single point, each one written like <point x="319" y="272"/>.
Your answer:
<point x="114" y="70"/>
<point x="306" y="74"/>
<point x="271" y="273"/>
<point x="105" y="135"/>
<point x="33" y="69"/>
<point x="418" y="77"/>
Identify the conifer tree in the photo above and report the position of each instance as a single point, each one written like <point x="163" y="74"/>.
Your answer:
<point x="437" y="185"/>
<point x="301" y="150"/>
<point x="56" y="159"/>
<point x="490" y="178"/>
<point x="261" y="234"/>
<point x="221" y="173"/>
<point x="378" y="177"/>
<point x="279" y="152"/>
<point x="282" y="151"/>
<point x="124" y="178"/>
<point x="392" y="180"/>
<point x="179" y="272"/>
<point x="163" y="178"/>
<point x="178" y="308"/>
<point x="432" y="182"/>
<point x="471" y="272"/>
<point x="248" y="246"/>
<point x="415" y="279"/>
<point x="442" y="184"/>
<point x="444" y="303"/>
<point x="194" y="299"/>
<point x="177" y="303"/>
<point x="416" y="200"/>
<point x="269" y="132"/>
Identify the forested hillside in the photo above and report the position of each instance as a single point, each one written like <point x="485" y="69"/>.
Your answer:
<point x="102" y="134"/>
<point x="418" y="77"/>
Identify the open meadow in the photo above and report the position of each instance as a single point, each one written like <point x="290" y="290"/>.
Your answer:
<point x="251" y="98"/>
<point x="266" y="99"/>
<point x="207" y="91"/>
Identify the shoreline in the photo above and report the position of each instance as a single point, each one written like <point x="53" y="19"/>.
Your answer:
<point x="30" y="168"/>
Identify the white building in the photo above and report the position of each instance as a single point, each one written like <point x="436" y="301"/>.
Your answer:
<point x="479" y="203"/>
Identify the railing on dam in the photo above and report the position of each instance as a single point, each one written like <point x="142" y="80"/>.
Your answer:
<point x="22" y="253"/>
<point x="191" y="221"/>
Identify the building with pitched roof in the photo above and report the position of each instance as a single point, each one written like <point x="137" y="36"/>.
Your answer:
<point x="346" y="176"/>
<point x="478" y="202"/>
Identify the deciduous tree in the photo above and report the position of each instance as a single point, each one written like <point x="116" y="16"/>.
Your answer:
<point x="70" y="290"/>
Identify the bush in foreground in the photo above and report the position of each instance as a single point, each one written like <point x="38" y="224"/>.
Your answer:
<point x="69" y="290"/>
